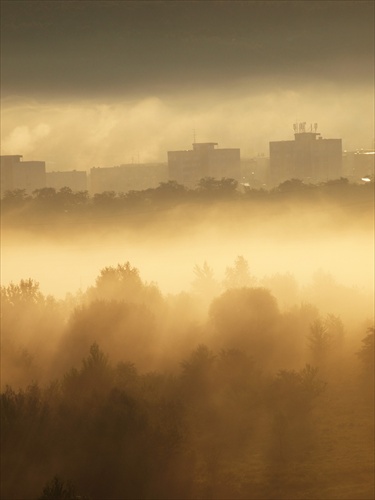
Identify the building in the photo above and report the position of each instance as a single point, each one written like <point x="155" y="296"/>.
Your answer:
<point x="254" y="172"/>
<point x="309" y="157"/>
<point x="204" y="160"/>
<point x="7" y="164"/>
<point x="358" y="164"/>
<point x="76" y="180"/>
<point x="18" y="174"/>
<point x="124" y="178"/>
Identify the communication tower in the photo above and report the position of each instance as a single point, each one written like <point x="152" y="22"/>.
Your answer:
<point x="300" y="127"/>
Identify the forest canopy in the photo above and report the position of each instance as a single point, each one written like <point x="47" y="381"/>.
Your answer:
<point x="120" y="391"/>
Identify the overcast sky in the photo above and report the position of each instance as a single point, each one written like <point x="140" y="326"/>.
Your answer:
<point x="88" y="82"/>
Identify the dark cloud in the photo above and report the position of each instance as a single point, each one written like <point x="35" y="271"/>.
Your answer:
<point x="116" y="48"/>
<point x="88" y="83"/>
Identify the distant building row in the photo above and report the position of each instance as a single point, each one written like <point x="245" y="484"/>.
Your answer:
<point x="32" y="175"/>
<point x="185" y="167"/>
<point x="308" y="157"/>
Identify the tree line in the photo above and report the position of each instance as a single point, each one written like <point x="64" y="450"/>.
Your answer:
<point x="67" y="203"/>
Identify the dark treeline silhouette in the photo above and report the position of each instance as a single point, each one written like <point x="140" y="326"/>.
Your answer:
<point x="121" y="392"/>
<point x="20" y="208"/>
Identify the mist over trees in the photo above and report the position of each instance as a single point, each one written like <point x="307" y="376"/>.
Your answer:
<point x="64" y="206"/>
<point x="120" y="391"/>
<point x="243" y="385"/>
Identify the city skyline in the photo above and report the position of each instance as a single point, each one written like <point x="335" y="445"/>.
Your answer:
<point x="108" y="81"/>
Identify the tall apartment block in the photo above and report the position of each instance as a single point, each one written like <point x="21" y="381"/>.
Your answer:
<point x="18" y="174"/>
<point x="309" y="157"/>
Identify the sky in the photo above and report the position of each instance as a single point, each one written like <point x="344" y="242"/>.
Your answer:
<point x="101" y="83"/>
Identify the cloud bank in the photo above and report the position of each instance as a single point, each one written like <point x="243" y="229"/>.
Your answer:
<point x="82" y="134"/>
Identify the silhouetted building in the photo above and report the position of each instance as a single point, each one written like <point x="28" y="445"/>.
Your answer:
<point x="189" y="166"/>
<point x="124" y="178"/>
<point x="76" y="180"/>
<point x="18" y="174"/>
<point x="358" y="164"/>
<point x="309" y="157"/>
<point x="6" y="171"/>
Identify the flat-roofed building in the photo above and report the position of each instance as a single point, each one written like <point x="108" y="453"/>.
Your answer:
<point x="309" y="157"/>
<point x="204" y="160"/>
<point x="7" y="163"/>
<point x="76" y="180"/>
<point x="125" y="178"/>
<point x="359" y="164"/>
<point x="18" y="174"/>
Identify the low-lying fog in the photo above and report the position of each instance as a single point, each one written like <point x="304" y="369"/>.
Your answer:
<point x="253" y="377"/>
<point x="299" y="242"/>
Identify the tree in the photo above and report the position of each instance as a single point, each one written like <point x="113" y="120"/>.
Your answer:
<point x="26" y="292"/>
<point x="320" y="341"/>
<point x="45" y="194"/>
<point x="211" y="187"/>
<point x="97" y="360"/>
<point x="204" y="283"/>
<point x="324" y="336"/>
<point x="284" y="287"/>
<point x="291" y="397"/>
<point x="167" y="193"/>
<point x="171" y="187"/>
<point x="292" y="186"/>
<point x="335" y="328"/>
<point x="15" y="198"/>
<point x="105" y="200"/>
<point x="245" y="318"/>
<point x="294" y="392"/>
<point x="123" y="329"/>
<point x="123" y="283"/>
<point x="198" y="366"/>
<point x="69" y="200"/>
<point x="366" y="353"/>
<point x="239" y="275"/>
<point x="94" y="378"/>
<point x="57" y="489"/>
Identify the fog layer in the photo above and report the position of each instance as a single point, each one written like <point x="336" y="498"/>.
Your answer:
<point x="110" y="131"/>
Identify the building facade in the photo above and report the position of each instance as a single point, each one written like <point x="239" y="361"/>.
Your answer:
<point x="254" y="172"/>
<point x="359" y="164"/>
<point x="124" y="178"/>
<point x="309" y="158"/>
<point x="76" y="180"/>
<point x="204" y="160"/>
<point x="18" y="174"/>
